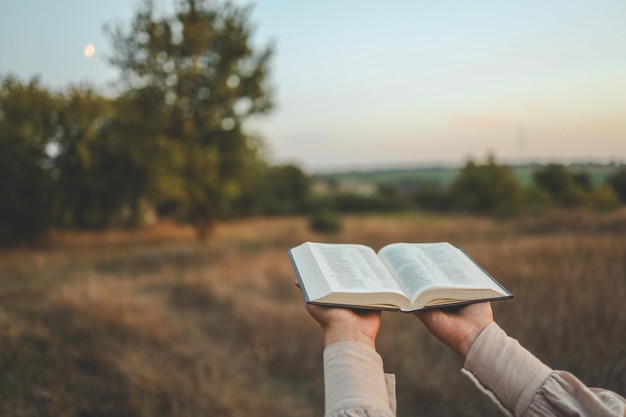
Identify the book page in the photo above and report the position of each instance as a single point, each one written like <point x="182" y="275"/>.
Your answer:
<point x="353" y="268"/>
<point x="457" y="268"/>
<point x="425" y="266"/>
<point x="413" y="270"/>
<point x="419" y="266"/>
<point x="447" y="260"/>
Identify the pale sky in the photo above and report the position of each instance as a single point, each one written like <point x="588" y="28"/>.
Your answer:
<point x="376" y="84"/>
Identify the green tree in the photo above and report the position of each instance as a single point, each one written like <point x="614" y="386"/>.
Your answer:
<point x="206" y="80"/>
<point x="554" y="178"/>
<point x="89" y="187"/>
<point x="143" y="158"/>
<point x="564" y="187"/>
<point x="617" y="181"/>
<point x="289" y="188"/>
<point x="487" y="189"/>
<point x="582" y="179"/>
<point x="27" y="123"/>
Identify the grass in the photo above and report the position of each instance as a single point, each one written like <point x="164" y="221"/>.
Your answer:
<point x="154" y="323"/>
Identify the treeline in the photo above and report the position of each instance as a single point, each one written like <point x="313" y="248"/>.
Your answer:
<point x="492" y="188"/>
<point x="487" y="188"/>
<point x="78" y="160"/>
<point x="170" y="143"/>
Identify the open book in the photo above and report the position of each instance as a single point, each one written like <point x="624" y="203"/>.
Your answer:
<point x="401" y="276"/>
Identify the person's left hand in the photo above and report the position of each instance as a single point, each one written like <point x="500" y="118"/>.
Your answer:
<point x="458" y="327"/>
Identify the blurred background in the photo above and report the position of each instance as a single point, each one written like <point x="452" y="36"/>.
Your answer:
<point x="158" y="158"/>
<point x="436" y="82"/>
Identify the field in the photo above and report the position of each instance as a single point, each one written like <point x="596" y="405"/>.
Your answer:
<point x="154" y="323"/>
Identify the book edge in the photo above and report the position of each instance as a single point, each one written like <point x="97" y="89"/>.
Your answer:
<point x="298" y="277"/>
<point x="463" y="303"/>
<point x="412" y="310"/>
<point x="487" y="273"/>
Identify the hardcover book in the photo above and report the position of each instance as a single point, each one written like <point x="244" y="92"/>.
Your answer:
<point x="401" y="276"/>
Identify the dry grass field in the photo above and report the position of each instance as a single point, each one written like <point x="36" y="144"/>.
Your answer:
<point x="154" y="323"/>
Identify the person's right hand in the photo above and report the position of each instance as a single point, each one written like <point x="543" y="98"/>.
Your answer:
<point x="458" y="327"/>
<point x="345" y="324"/>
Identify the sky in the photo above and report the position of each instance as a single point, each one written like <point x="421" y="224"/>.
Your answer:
<point x="373" y="84"/>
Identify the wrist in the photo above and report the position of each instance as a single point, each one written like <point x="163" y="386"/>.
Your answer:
<point x="468" y="339"/>
<point x="348" y="334"/>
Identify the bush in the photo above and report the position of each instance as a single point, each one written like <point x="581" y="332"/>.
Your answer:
<point x="537" y="200"/>
<point x="325" y="221"/>
<point x="603" y="197"/>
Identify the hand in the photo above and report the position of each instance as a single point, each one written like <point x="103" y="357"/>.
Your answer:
<point x="458" y="327"/>
<point x="346" y="325"/>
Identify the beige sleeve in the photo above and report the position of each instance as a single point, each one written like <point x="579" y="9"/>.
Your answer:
<point x="523" y="386"/>
<point x="355" y="383"/>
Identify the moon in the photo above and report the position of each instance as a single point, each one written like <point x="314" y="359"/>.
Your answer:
<point x="89" y="50"/>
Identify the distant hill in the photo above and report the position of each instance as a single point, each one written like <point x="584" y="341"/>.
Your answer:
<point x="442" y="176"/>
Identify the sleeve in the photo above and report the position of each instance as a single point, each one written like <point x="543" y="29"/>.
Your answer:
<point x="523" y="386"/>
<point x="355" y="384"/>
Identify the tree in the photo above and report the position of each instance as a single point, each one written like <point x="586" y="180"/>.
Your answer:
<point x="564" y="187"/>
<point x="288" y="189"/>
<point x="582" y="179"/>
<point x="617" y="181"/>
<point x="27" y="123"/>
<point x="89" y="181"/>
<point x="142" y="156"/>
<point x="206" y="80"/>
<point x="486" y="189"/>
<point x="553" y="178"/>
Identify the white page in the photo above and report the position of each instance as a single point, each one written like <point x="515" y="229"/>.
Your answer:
<point x="457" y="268"/>
<point x="451" y="267"/>
<point x="420" y="266"/>
<point x="353" y="268"/>
<point x="412" y="268"/>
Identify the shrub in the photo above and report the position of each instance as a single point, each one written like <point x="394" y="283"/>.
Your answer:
<point x="603" y="197"/>
<point x="325" y="221"/>
<point x="537" y="200"/>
